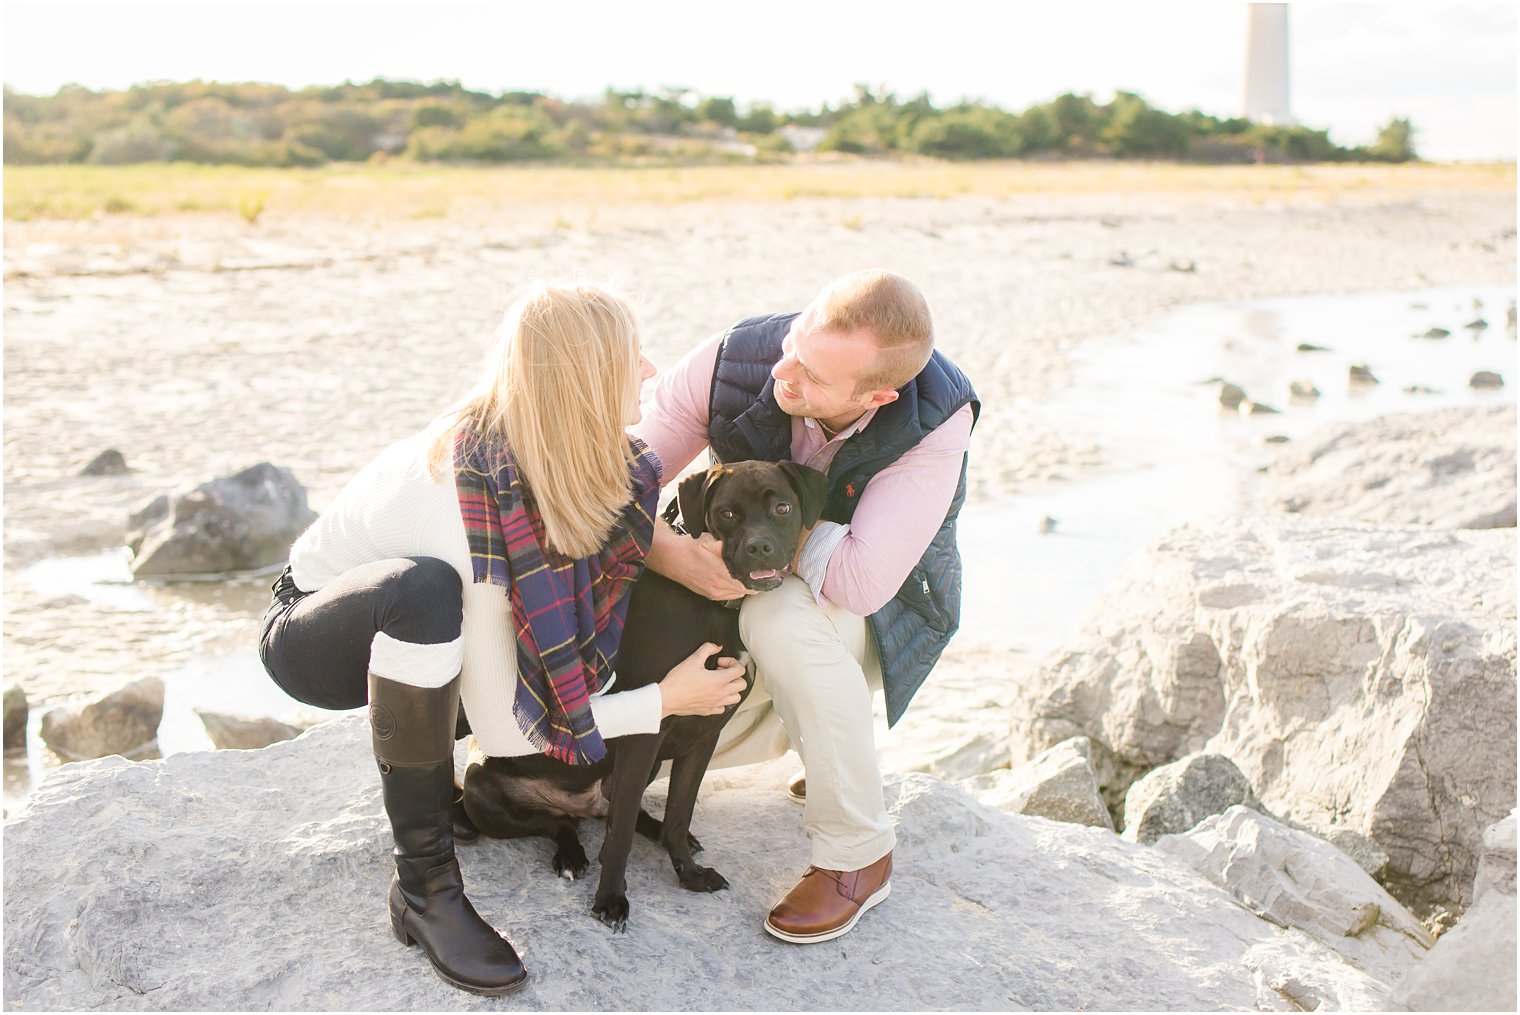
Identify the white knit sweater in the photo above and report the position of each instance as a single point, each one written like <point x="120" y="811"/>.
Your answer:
<point x="394" y="508"/>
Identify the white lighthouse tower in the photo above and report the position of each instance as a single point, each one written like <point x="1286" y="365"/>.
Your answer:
<point x="1267" y="65"/>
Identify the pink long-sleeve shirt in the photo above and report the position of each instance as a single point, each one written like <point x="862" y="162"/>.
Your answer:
<point x="859" y="566"/>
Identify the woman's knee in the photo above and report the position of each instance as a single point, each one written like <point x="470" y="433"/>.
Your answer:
<point x="425" y="605"/>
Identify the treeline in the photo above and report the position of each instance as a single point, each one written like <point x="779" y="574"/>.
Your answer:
<point x="269" y="125"/>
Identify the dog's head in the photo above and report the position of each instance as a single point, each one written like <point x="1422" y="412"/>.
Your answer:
<point x="758" y="510"/>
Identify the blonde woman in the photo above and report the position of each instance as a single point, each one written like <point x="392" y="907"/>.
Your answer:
<point x="488" y="559"/>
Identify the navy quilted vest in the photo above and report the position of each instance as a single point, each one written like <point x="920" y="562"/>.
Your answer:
<point x="745" y="422"/>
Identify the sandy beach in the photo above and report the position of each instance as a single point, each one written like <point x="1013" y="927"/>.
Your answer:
<point x="199" y="345"/>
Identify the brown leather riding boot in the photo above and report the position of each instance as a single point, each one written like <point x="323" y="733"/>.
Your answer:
<point x="827" y="903"/>
<point x="412" y="729"/>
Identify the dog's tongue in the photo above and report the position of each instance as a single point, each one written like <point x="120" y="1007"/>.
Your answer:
<point x="762" y="575"/>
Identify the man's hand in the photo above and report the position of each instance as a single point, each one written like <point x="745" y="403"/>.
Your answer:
<point x="695" y="563"/>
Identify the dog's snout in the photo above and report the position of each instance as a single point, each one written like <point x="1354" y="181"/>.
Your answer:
<point x="760" y="546"/>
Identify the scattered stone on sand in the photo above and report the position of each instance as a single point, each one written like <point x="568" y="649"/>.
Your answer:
<point x="1303" y="389"/>
<point x="1360" y="373"/>
<point x="16" y="713"/>
<point x="1509" y="317"/>
<point x="245" y="733"/>
<point x="1359" y="676"/>
<point x="1486" y="379"/>
<point x="123" y="722"/>
<point x="1231" y="395"/>
<point x="1186" y="267"/>
<point x="274" y="869"/>
<point x="1173" y="798"/>
<point x="1122" y="261"/>
<point x="1311" y="347"/>
<point x="1451" y="468"/>
<point x="1436" y="333"/>
<point x="109" y="462"/>
<point x="1420" y="389"/>
<point x="1250" y="408"/>
<point x="1276" y="438"/>
<point x="1479" y="324"/>
<point x="1472" y="967"/>
<point x="234" y="523"/>
<point x="1046" y="525"/>
<point x="1058" y="783"/>
<point x="1296" y="880"/>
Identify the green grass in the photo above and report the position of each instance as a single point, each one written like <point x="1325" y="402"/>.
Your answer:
<point x="406" y="190"/>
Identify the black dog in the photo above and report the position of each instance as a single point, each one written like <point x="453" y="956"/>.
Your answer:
<point x="758" y="510"/>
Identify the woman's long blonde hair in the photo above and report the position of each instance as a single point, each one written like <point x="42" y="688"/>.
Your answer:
<point x="558" y="385"/>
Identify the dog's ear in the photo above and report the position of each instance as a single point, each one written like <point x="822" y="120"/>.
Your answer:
<point x="692" y="493"/>
<point x="811" y="486"/>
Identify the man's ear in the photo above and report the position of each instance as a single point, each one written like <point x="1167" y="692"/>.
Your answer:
<point x="811" y="486"/>
<point x="692" y="493"/>
<point x="879" y="398"/>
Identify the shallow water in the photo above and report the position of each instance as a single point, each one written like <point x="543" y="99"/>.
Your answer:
<point x="1144" y="396"/>
<point x="1177" y="456"/>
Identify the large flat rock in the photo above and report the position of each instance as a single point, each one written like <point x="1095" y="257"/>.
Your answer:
<point x="1452" y="468"/>
<point x="257" y="878"/>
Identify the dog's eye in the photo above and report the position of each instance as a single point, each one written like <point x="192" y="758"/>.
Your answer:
<point x="727" y="514"/>
<point x="783" y="508"/>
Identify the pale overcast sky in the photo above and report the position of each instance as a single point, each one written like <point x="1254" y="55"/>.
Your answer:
<point x="1450" y="67"/>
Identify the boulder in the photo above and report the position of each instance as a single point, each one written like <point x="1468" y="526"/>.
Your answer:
<point x="235" y="523"/>
<point x="260" y="876"/>
<point x="123" y="722"/>
<point x="1361" y="677"/>
<point x="1360" y="373"/>
<point x="109" y="462"/>
<point x="1058" y="784"/>
<point x="16" y="713"/>
<point x="1496" y="866"/>
<point x="1472" y="967"/>
<point x="1452" y="468"/>
<point x="1174" y="798"/>
<point x="1296" y="880"/>
<point x="245" y="733"/>
<point x="1303" y="389"/>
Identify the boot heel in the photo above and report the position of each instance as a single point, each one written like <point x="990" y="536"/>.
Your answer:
<point x="400" y="931"/>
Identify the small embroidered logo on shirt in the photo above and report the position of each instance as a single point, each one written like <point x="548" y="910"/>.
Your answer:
<point x="849" y="489"/>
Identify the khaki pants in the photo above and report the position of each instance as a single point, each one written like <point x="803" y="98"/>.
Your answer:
<point x="816" y="667"/>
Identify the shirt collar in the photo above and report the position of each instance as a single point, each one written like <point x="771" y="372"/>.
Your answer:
<point x="849" y="431"/>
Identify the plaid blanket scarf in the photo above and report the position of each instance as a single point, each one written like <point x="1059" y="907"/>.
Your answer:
<point x="568" y="612"/>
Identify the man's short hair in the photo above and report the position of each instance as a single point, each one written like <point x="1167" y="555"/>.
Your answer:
<point x="894" y="311"/>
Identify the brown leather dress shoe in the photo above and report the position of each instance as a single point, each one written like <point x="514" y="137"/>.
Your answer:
<point x="827" y="904"/>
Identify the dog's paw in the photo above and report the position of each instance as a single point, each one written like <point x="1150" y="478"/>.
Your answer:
<point x="695" y="878"/>
<point x="653" y="828"/>
<point x="570" y="863"/>
<point x="613" y="912"/>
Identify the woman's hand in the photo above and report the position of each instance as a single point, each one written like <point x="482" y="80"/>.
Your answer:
<point x="695" y="563"/>
<point x="692" y="689"/>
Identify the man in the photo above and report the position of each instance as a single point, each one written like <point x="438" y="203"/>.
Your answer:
<point x="851" y="386"/>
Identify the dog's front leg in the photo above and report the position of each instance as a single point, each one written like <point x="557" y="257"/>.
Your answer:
<point x="633" y="760"/>
<point x="685" y="779"/>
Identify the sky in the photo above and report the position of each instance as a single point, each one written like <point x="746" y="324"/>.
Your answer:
<point x="1449" y="67"/>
